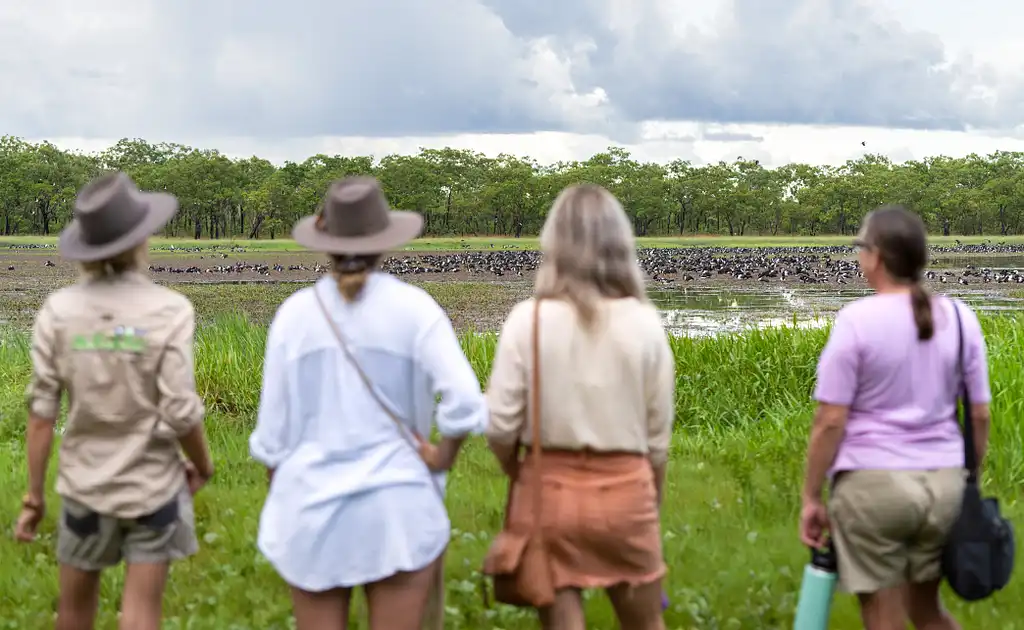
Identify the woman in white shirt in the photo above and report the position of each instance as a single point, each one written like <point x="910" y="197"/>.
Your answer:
<point x="352" y="370"/>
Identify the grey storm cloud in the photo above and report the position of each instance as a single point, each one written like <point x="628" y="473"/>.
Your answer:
<point x="271" y="69"/>
<point x="771" y="61"/>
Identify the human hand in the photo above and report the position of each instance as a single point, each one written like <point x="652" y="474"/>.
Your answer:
<point x="431" y="455"/>
<point x="195" y="480"/>
<point x="813" y="523"/>
<point x="32" y="513"/>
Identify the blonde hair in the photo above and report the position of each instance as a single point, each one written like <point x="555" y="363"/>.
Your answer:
<point x="135" y="259"/>
<point x="351" y="273"/>
<point x="588" y="251"/>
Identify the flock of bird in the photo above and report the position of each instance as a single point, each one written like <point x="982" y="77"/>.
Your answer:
<point x="808" y="265"/>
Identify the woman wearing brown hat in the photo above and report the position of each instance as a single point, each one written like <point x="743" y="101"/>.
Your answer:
<point x="352" y="371"/>
<point x="584" y="374"/>
<point x="120" y="346"/>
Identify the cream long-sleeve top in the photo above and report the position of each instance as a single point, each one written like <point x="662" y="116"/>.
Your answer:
<point x="351" y="501"/>
<point x="611" y="388"/>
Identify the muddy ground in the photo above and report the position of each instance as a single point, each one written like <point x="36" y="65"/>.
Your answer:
<point x="255" y="283"/>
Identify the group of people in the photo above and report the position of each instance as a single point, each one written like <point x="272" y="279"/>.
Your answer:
<point x="361" y="369"/>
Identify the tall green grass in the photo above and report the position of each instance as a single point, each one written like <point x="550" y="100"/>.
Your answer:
<point x="743" y="410"/>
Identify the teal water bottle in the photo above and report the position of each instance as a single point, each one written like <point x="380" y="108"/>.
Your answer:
<point x="819" y="584"/>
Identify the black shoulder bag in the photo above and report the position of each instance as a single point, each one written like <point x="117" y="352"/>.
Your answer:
<point x="978" y="557"/>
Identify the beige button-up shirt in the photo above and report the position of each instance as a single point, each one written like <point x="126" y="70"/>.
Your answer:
<point x="121" y="348"/>
<point x="610" y="389"/>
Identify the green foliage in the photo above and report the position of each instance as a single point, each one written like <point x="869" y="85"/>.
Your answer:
<point x="462" y="192"/>
<point x="729" y="519"/>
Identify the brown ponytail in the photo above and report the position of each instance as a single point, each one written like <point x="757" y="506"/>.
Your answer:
<point x="351" y="273"/>
<point x="901" y="241"/>
<point x="922" y="304"/>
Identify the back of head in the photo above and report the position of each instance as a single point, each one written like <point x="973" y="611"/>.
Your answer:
<point x="589" y="252"/>
<point x="355" y="226"/>
<point x="134" y="259"/>
<point x="351" y="273"/>
<point x="901" y="242"/>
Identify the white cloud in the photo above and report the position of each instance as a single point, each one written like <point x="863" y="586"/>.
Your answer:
<point x="775" y="80"/>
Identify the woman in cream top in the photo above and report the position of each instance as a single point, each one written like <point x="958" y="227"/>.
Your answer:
<point x="607" y="382"/>
<point x="606" y="390"/>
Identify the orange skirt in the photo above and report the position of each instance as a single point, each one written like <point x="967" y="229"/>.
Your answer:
<point x="599" y="517"/>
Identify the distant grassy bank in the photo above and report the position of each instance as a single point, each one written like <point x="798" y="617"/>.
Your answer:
<point x="743" y="409"/>
<point x="527" y="242"/>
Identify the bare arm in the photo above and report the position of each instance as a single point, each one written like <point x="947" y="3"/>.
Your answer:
<point x="660" y="385"/>
<point x="981" y="420"/>
<point x="826" y="435"/>
<point x="43" y="397"/>
<point x="507" y="394"/>
<point x="659" y="480"/>
<point x="39" y="444"/>
<point x="508" y="458"/>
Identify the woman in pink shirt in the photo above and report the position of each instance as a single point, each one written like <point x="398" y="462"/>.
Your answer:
<point x="886" y="430"/>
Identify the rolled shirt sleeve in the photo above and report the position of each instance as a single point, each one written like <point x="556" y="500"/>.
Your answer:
<point x="507" y="386"/>
<point x="660" y="384"/>
<point x="180" y="405"/>
<point x="45" y="387"/>
<point x="462" y="409"/>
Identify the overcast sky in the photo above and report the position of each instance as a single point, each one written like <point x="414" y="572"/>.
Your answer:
<point x="776" y="80"/>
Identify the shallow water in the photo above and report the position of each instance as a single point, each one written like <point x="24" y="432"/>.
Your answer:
<point x="954" y="261"/>
<point x="704" y="311"/>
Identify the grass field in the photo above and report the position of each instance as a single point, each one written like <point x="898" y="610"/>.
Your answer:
<point x="729" y="519"/>
<point x="527" y="242"/>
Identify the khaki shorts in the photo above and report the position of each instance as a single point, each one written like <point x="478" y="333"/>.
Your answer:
<point x="889" y="526"/>
<point x="91" y="542"/>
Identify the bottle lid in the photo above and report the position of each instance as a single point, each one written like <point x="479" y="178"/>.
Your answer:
<point x="825" y="558"/>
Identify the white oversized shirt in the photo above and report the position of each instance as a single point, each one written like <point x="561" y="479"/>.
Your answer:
<point x="351" y="501"/>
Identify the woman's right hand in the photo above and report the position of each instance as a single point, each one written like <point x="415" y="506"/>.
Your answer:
<point x="195" y="480"/>
<point x="28" y="521"/>
<point x="814" y="523"/>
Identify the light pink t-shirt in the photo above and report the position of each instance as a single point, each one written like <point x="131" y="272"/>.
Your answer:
<point x="901" y="391"/>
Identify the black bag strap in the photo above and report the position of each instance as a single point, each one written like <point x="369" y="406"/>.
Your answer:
<point x="964" y="400"/>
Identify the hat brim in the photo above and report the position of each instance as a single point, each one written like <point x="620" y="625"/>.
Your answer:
<point x="160" y="209"/>
<point x="403" y="227"/>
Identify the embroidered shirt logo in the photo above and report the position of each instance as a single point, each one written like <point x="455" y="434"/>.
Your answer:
<point x="121" y="339"/>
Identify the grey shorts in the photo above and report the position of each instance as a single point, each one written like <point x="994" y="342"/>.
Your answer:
<point x="91" y="542"/>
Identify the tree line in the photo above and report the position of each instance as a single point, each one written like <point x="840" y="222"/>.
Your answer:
<point x="462" y="192"/>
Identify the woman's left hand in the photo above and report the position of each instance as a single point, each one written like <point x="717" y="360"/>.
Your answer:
<point x="813" y="523"/>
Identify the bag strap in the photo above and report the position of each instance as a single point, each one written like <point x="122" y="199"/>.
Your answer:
<point x="964" y="400"/>
<point x="402" y="428"/>
<point x="535" y="445"/>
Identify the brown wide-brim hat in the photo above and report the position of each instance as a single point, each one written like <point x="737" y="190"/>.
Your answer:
<point x="112" y="216"/>
<point x="357" y="220"/>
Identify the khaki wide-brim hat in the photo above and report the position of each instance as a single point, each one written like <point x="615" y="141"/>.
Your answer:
<point x="357" y="220"/>
<point x="112" y="216"/>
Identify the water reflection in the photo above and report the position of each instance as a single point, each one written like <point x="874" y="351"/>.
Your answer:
<point x="703" y="311"/>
